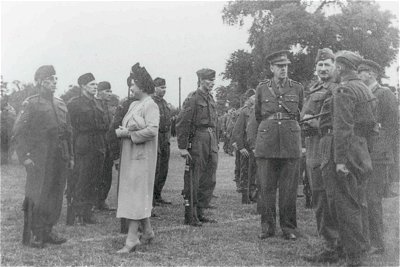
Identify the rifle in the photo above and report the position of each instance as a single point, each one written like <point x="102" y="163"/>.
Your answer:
<point x="314" y="117"/>
<point x="188" y="196"/>
<point x="27" y="232"/>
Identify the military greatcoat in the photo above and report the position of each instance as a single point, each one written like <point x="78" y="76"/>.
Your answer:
<point x="89" y="124"/>
<point x="43" y="134"/>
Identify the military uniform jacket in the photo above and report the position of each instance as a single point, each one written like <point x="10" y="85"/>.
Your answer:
<point x="353" y="124"/>
<point x="165" y="122"/>
<point x="387" y="115"/>
<point x="41" y="122"/>
<point x="239" y="134"/>
<point x="198" y="111"/>
<point x="278" y="138"/>
<point x="165" y="114"/>
<point x="43" y="134"/>
<point x="89" y="122"/>
<point x="318" y="94"/>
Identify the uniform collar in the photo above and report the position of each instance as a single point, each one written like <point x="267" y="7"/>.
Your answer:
<point x="157" y="98"/>
<point x="373" y="86"/>
<point x="204" y="94"/>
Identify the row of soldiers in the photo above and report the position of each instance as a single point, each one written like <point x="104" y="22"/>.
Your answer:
<point x="75" y="144"/>
<point x="350" y="127"/>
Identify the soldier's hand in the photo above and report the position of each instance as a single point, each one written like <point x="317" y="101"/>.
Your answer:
<point x="342" y="169"/>
<point x="312" y="123"/>
<point x="29" y="162"/>
<point x="234" y="145"/>
<point x="244" y="152"/>
<point x="185" y="153"/>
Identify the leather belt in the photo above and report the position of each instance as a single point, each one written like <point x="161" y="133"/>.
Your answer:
<point x="281" y="116"/>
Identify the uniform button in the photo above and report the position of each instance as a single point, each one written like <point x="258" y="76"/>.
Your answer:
<point x="280" y="106"/>
<point x="279" y="122"/>
<point x="280" y="96"/>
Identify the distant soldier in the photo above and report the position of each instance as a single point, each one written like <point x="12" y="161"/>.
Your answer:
<point x="89" y="122"/>
<point x="278" y="146"/>
<point x="197" y="139"/>
<point x="239" y="136"/>
<point x="164" y="134"/>
<point x="230" y="123"/>
<point x="8" y="116"/>
<point x="104" y="95"/>
<point x="44" y="145"/>
<point x="346" y="162"/>
<point x="383" y="150"/>
<point x="327" y="225"/>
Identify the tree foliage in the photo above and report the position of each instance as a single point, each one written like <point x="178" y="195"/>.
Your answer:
<point x="359" y="26"/>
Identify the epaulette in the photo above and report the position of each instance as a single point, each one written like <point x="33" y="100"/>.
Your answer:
<point x="266" y="81"/>
<point x="291" y="82"/>
<point x="29" y="98"/>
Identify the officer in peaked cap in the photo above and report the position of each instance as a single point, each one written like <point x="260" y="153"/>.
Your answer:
<point x="383" y="155"/>
<point x="197" y="139"/>
<point x="278" y="146"/>
<point x="164" y="134"/>
<point x="279" y="58"/>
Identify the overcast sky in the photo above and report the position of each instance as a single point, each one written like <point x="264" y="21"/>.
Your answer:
<point x="171" y="39"/>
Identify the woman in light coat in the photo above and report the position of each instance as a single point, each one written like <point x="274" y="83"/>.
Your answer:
<point x="139" y="136"/>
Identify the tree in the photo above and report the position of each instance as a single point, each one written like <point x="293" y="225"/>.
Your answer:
<point x="72" y="92"/>
<point x="360" y="26"/>
<point x="239" y="69"/>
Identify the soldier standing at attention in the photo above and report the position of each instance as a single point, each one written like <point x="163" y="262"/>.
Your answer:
<point x="197" y="139"/>
<point x="44" y="145"/>
<point x="321" y="194"/>
<point x="239" y="136"/>
<point x="383" y="150"/>
<point x="278" y="146"/>
<point x="345" y="158"/>
<point x="89" y="124"/>
<point x="164" y="134"/>
<point x="104" y="94"/>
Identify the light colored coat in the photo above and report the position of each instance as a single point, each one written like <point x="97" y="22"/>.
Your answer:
<point x="138" y="160"/>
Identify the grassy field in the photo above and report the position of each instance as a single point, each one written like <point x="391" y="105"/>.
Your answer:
<point x="232" y="241"/>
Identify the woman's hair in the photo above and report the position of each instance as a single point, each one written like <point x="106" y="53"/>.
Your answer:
<point x="142" y="78"/>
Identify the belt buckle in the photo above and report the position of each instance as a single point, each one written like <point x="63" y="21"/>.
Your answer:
<point x="279" y="115"/>
<point x="209" y="129"/>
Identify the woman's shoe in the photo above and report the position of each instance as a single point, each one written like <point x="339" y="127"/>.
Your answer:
<point x="147" y="238"/>
<point x="127" y="249"/>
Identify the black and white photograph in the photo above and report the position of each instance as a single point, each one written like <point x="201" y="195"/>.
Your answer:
<point x="200" y="133"/>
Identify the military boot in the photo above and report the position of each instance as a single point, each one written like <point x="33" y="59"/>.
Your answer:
<point x="202" y="218"/>
<point x="266" y="231"/>
<point x="37" y="240"/>
<point x="88" y="216"/>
